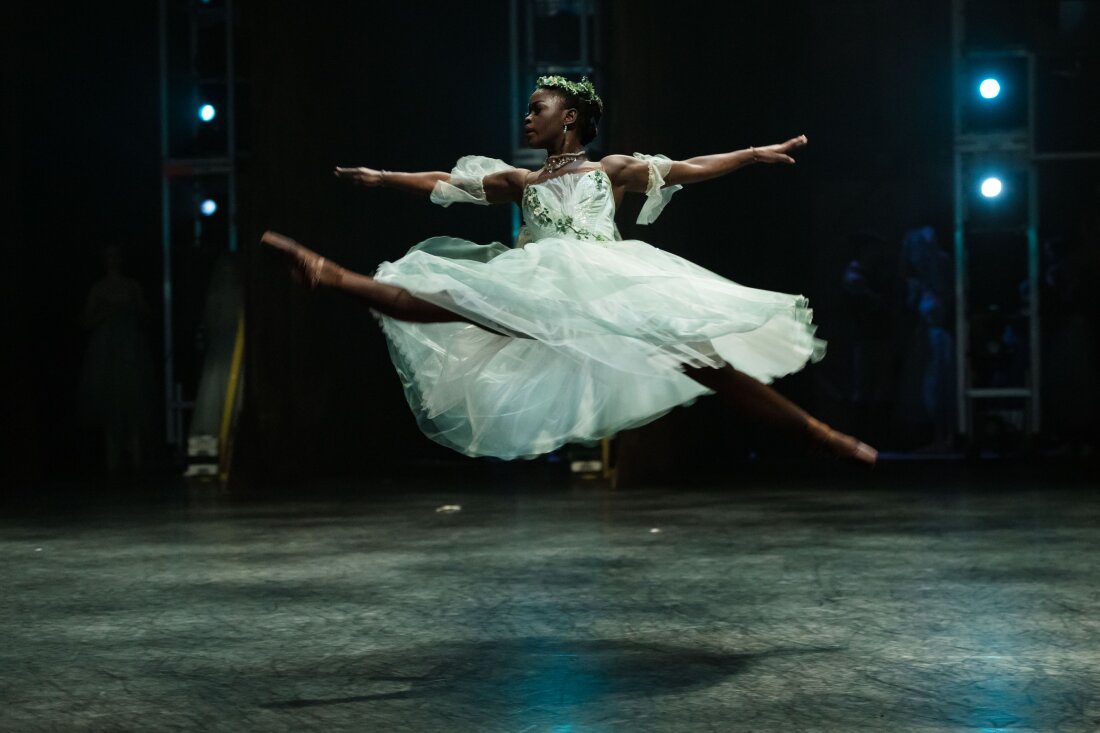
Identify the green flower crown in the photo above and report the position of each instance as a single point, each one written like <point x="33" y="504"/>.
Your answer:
<point x="582" y="90"/>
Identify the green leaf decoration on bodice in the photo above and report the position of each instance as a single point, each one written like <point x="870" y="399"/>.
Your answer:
<point x="574" y="206"/>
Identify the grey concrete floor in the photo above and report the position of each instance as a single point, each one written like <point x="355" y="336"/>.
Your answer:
<point x="872" y="606"/>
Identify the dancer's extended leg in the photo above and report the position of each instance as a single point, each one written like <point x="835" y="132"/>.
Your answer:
<point x="761" y="402"/>
<point x="388" y="299"/>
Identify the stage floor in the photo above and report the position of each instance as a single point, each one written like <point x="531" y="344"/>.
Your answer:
<point x="840" y="604"/>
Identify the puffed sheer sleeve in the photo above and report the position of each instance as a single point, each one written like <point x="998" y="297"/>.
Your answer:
<point x="656" y="193"/>
<point x="465" y="184"/>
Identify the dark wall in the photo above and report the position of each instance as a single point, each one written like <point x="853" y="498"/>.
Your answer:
<point x="369" y="84"/>
<point x="80" y="172"/>
<point x="867" y="81"/>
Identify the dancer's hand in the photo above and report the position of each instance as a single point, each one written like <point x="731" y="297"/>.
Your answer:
<point x="779" y="153"/>
<point x="362" y="176"/>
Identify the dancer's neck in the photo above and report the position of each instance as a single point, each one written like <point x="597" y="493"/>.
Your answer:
<point x="564" y="148"/>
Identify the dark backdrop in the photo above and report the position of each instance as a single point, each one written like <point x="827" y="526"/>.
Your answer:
<point x="868" y="82"/>
<point x="80" y="170"/>
<point x="415" y="86"/>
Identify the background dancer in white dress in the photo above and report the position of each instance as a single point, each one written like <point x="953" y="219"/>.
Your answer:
<point x="574" y="334"/>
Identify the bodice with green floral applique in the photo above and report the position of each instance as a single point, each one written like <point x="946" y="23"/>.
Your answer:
<point x="571" y="206"/>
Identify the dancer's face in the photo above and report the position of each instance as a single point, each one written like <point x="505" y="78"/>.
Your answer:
<point x="546" y="116"/>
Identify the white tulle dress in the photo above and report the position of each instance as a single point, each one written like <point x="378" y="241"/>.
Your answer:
<point x="598" y="328"/>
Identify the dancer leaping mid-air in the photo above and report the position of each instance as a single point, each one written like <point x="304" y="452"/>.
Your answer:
<point x="574" y="334"/>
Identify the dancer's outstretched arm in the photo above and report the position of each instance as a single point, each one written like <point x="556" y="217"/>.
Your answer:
<point x="633" y="173"/>
<point x="500" y="188"/>
<point x="420" y="183"/>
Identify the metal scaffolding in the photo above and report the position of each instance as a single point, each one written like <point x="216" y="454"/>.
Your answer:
<point x="198" y="161"/>
<point x="1009" y="147"/>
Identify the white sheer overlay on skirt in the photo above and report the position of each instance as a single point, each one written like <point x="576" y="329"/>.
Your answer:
<point x="584" y="334"/>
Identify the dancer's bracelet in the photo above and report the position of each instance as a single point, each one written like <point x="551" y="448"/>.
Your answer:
<point x="382" y="177"/>
<point x="753" y="151"/>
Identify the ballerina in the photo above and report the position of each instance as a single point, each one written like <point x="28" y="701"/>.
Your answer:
<point x="575" y="334"/>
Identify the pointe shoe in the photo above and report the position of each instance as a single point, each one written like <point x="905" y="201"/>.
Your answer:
<point x="841" y="445"/>
<point x="309" y="267"/>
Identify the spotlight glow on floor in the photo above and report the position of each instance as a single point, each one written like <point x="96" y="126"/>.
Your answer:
<point x="992" y="187"/>
<point x="208" y="207"/>
<point x="989" y="88"/>
<point x="207" y="112"/>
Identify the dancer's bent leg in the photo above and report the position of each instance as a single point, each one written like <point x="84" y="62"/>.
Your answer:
<point x="761" y="402"/>
<point x="388" y="299"/>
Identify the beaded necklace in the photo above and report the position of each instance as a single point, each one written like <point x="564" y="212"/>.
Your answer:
<point x="554" y="162"/>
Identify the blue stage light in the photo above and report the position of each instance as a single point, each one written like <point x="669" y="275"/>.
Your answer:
<point x="208" y="207"/>
<point x="991" y="187"/>
<point x="207" y="112"/>
<point x="989" y="88"/>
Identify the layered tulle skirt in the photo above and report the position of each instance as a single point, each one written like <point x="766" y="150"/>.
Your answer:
<point x="581" y="339"/>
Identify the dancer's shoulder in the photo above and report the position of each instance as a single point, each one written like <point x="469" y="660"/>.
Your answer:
<point x="626" y="170"/>
<point x="505" y="185"/>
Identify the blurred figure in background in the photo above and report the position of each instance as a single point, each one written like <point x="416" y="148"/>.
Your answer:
<point x="872" y="293"/>
<point x="116" y="387"/>
<point x="927" y="401"/>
